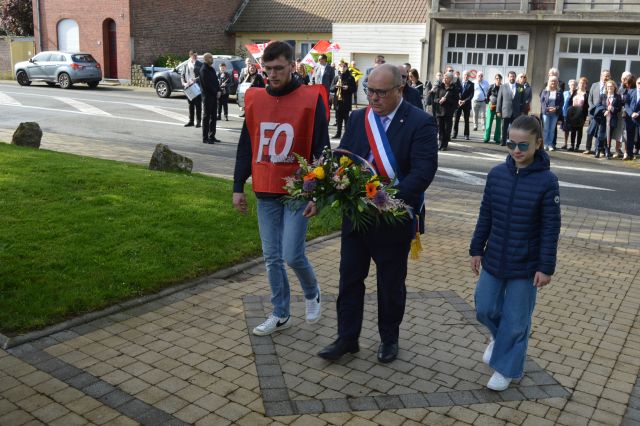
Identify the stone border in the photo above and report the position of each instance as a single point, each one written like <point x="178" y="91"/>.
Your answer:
<point x="7" y="342"/>
<point x="277" y="401"/>
<point x="632" y="415"/>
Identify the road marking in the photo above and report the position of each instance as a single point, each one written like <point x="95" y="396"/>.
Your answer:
<point x="8" y="100"/>
<point x="81" y="106"/>
<point x="169" y="114"/>
<point x="577" y="185"/>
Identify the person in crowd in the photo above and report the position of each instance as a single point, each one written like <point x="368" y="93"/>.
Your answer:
<point x="464" y="105"/>
<point x="632" y="123"/>
<point x="509" y="105"/>
<point x="323" y="73"/>
<point x="429" y="96"/>
<point x="446" y="97"/>
<point x="528" y="92"/>
<point x="357" y="75"/>
<point x="226" y="85"/>
<point x="190" y="75"/>
<point x="519" y="215"/>
<point x="551" y="101"/>
<point x="626" y="86"/>
<point x="480" y="97"/>
<point x="596" y="90"/>
<point x="577" y="113"/>
<point x="244" y="71"/>
<point x="567" y="96"/>
<point x="342" y="87"/>
<point x="282" y="226"/>
<point x="210" y="95"/>
<point x="492" y="95"/>
<point x="407" y="67"/>
<point x="409" y="94"/>
<point x="553" y="72"/>
<point x="414" y="81"/>
<point x="611" y="104"/>
<point x="301" y="74"/>
<point x="254" y="77"/>
<point x="412" y="138"/>
<point x="377" y="62"/>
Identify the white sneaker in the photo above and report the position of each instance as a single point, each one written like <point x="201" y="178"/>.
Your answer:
<point x="498" y="382"/>
<point x="273" y="323"/>
<point x="551" y="148"/>
<point x="486" y="357"/>
<point x="313" y="309"/>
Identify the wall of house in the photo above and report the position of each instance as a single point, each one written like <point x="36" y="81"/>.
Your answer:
<point x="298" y="38"/>
<point x="90" y="15"/>
<point x="169" y="27"/>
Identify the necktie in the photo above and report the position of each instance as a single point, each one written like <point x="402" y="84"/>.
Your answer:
<point x="513" y="90"/>
<point x="385" y="122"/>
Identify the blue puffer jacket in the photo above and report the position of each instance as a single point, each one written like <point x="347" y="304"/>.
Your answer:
<point x="519" y="222"/>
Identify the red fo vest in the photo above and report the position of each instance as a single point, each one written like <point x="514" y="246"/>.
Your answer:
<point x="279" y="126"/>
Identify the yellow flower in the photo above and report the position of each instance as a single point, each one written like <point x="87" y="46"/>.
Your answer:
<point x="375" y="180"/>
<point x="345" y="161"/>
<point x="319" y="172"/>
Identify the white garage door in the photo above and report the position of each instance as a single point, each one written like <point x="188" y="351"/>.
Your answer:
<point x="68" y="36"/>
<point x="366" y="60"/>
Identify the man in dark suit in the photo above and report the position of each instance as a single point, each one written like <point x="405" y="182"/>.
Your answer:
<point x="509" y="105"/>
<point x="323" y="73"/>
<point x="210" y="93"/>
<point x="467" y="89"/>
<point x="412" y="136"/>
<point x="632" y="122"/>
<point x="596" y="90"/>
<point x="409" y="94"/>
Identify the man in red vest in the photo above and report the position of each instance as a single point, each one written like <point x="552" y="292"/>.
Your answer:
<point x="283" y="119"/>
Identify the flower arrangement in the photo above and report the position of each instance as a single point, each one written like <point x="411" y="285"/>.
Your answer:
<point x="351" y="187"/>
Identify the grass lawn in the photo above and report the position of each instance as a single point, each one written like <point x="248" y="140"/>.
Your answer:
<point x="78" y="234"/>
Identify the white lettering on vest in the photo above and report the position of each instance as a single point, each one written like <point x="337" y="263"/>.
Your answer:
<point x="278" y="129"/>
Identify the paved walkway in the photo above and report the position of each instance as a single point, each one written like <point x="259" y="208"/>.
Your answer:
<point x="189" y="358"/>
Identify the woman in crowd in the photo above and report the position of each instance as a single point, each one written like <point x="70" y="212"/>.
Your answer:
<point x="414" y="81"/>
<point x="551" y="101"/>
<point x="611" y="103"/>
<point x="492" y="95"/>
<point x="254" y="77"/>
<point x="430" y="94"/>
<point x="519" y="215"/>
<point x="446" y="97"/>
<point x="567" y="95"/>
<point x="577" y="113"/>
<point x="302" y="74"/>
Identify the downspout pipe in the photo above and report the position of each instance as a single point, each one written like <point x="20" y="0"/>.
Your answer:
<point x="39" y="46"/>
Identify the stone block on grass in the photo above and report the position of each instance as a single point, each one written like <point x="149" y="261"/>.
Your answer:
<point x="164" y="159"/>
<point x="27" y="134"/>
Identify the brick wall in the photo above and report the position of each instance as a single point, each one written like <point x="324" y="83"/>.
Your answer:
<point x="90" y="16"/>
<point x="167" y="26"/>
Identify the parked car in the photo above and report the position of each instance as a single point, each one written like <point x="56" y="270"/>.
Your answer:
<point x="169" y="81"/>
<point x="62" y="68"/>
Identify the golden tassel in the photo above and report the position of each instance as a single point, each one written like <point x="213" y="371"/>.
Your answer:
<point x="416" y="247"/>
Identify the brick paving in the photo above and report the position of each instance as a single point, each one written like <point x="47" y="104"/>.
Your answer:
<point x="189" y="357"/>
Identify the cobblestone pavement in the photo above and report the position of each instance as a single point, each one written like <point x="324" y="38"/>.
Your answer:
<point x="189" y="358"/>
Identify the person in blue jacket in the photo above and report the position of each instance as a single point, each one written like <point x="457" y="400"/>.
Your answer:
<point x="515" y="241"/>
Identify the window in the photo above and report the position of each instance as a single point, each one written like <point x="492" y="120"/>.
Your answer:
<point x="513" y="42"/>
<point x="471" y="40"/>
<point x="474" y="58"/>
<point x="42" y="57"/>
<point x="481" y="41"/>
<point x="305" y="47"/>
<point x="454" y="57"/>
<point x="491" y="41"/>
<point x="68" y="36"/>
<point x="495" y="59"/>
<point x="502" y="41"/>
<point x="452" y="40"/>
<point x="585" y="45"/>
<point x="516" y="60"/>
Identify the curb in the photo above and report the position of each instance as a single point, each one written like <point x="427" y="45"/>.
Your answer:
<point x="7" y="342"/>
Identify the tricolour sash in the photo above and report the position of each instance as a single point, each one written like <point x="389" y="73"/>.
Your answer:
<point x="380" y="148"/>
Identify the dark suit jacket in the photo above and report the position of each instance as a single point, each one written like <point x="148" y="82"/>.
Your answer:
<point x="413" y="138"/>
<point x="467" y="89"/>
<point x="209" y="82"/>
<point x="632" y="102"/>
<point x="412" y="96"/>
<point x="617" y="107"/>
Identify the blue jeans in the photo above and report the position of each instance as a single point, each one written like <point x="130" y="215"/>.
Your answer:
<point x="549" y="122"/>
<point x="505" y="307"/>
<point x="283" y="230"/>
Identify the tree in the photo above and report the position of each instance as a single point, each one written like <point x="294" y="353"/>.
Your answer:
<point x="16" y="17"/>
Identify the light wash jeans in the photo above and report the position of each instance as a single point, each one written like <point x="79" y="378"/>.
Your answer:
<point x="283" y="231"/>
<point x="505" y="307"/>
<point x="549" y="122"/>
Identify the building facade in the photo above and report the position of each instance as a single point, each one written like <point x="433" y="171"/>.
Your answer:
<point x="119" y="33"/>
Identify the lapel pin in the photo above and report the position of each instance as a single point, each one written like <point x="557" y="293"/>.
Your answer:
<point x="402" y="120"/>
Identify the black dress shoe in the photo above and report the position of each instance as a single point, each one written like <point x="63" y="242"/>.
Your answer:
<point x="198" y="125"/>
<point x="466" y="138"/>
<point x="209" y="141"/>
<point x="453" y="136"/>
<point x="387" y="352"/>
<point x="503" y="144"/>
<point x="334" y="351"/>
<point x="218" y="117"/>
<point x="189" y="124"/>
<point x="215" y="140"/>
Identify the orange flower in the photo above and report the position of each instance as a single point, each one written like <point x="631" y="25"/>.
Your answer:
<point x="372" y="189"/>
<point x="340" y="171"/>
<point x="309" y="176"/>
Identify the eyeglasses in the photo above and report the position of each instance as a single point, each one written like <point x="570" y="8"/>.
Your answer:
<point x="277" y="68"/>
<point x="522" y="146"/>
<point x="380" y="92"/>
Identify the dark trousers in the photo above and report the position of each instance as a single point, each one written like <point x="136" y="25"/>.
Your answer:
<point x="342" y="116"/>
<point x="209" y="106"/>
<point x="195" y="105"/>
<point x="459" y="112"/>
<point x="506" y="123"/>
<point x="632" y="136"/>
<point x="444" y="130"/>
<point x="389" y="248"/>
<point x="223" y="103"/>
<point x="576" y="137"/>
<point x="592" y="131"/>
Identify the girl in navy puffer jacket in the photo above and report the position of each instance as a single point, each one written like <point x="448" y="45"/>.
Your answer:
<point x="515" y="240"/>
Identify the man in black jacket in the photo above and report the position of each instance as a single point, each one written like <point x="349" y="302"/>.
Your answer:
<point x="467" y="88"/>
<point x="342" y="88"/>
<point x="210" y="93"/>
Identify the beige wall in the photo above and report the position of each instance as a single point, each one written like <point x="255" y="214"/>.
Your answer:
<point x="12" y="51"/>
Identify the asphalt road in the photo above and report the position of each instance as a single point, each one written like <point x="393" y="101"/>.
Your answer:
<point x="126" y="123"/>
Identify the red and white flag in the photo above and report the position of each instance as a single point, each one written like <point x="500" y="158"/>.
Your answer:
<point x="256" y="50"/>
<point x="323" y="46"/>
<point x="308" y="60"/>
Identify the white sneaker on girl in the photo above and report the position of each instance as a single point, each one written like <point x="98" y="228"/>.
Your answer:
<point x="498" y="382"/>
<point x="486" y="357"/>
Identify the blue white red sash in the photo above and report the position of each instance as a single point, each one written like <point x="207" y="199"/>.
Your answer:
<point x="380" y="148"/>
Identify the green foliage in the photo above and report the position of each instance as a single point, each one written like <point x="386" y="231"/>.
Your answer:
<point x="169" y="60"/>
<point x="16" y="17"/>
<point x="78" y="234"/>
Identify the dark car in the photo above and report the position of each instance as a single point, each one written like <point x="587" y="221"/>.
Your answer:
<point x="62" y="68"/>
<point x="169" y="81"/>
